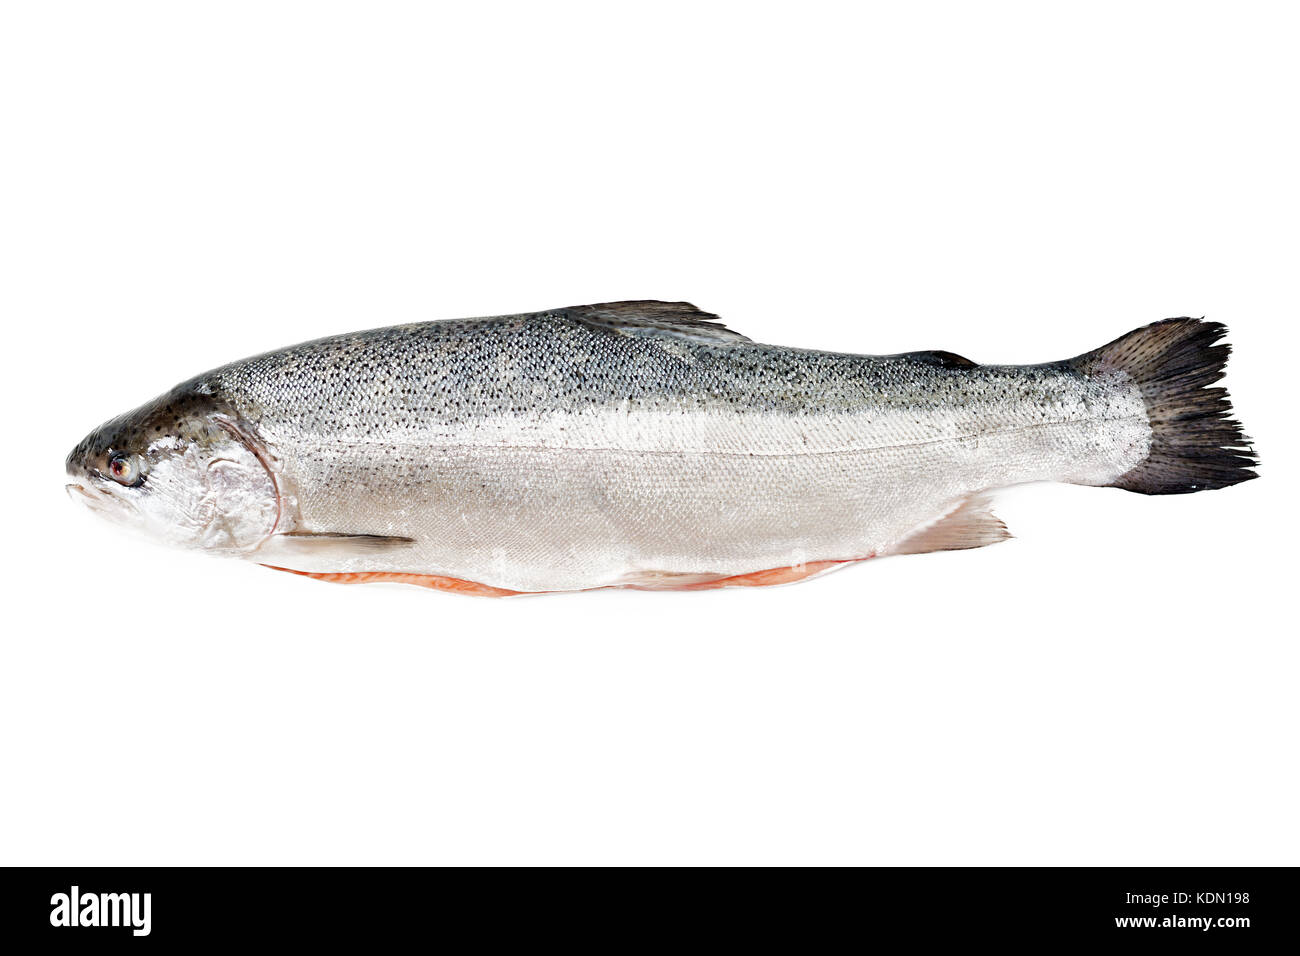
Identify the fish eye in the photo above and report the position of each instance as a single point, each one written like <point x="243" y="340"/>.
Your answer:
<point x="125" y="469"/>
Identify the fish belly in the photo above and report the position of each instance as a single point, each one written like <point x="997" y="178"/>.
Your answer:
<point x="691" y="498"/>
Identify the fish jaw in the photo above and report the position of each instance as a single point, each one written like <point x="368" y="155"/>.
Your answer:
<point x="101" y="501"/>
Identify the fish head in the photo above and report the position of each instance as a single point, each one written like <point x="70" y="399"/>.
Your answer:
<point x="181" y="469"/>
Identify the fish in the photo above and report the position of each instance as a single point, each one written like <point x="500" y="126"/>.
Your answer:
<point x="640" y="444"/>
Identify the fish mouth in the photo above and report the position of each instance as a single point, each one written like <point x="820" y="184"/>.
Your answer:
<point x="77" y="491"/>
<point x="99" y="500"/>
<point x="73" y="489"/>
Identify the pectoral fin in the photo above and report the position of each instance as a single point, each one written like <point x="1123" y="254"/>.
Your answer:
<point x="329" y="545"/>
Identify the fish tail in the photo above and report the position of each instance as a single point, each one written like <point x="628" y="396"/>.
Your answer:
<point x="1196" y="444"/>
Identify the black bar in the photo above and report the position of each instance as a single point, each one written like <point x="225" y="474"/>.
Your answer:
<point x="1194" y="906"/>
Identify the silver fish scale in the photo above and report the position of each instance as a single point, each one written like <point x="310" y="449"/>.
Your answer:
<point x="543" y="452"/>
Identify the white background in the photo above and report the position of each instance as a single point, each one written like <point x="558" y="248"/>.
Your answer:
<point x="187" y="184"/>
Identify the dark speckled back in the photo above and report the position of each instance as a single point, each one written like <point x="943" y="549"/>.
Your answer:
<point x="380" y="382"/>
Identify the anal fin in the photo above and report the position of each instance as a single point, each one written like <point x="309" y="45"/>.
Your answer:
<point x="970" y="525"/>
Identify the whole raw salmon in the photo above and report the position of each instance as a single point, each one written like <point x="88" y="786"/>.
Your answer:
<point x="639" y="444"/>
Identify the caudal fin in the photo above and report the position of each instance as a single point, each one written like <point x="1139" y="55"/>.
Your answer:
<point x="1195" y="443"/>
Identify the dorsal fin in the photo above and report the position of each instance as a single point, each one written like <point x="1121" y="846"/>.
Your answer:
<point x="650" y="316"/>
<point x="942" y="359"/>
